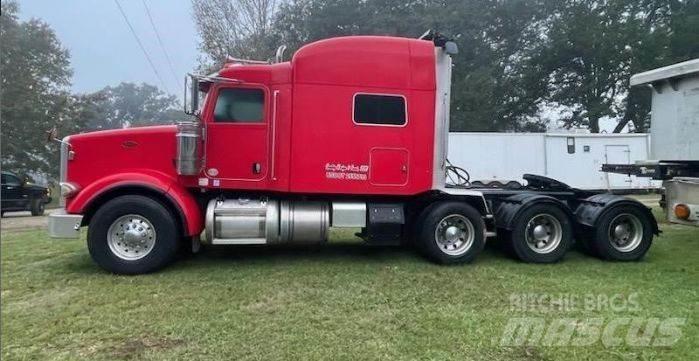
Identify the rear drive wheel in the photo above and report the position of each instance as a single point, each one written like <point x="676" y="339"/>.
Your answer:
<point x="624" y="233"/>
<point x="542" y="233"/>
<point x="451" y="232"/>
<point x="37" y="207"/>
<point x="133" y="234"/>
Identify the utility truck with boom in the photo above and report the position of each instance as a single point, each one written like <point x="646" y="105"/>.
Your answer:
<point x="351" y="132"/>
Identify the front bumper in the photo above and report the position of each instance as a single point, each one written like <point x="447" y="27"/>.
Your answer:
<point x="64" y="225"/>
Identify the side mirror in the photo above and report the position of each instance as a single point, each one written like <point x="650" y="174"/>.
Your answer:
<point x="451" y="48"/>
<point x="191" y="94"/>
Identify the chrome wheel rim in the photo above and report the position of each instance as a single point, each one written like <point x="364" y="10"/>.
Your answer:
<point x="454" y="235"/>
<point x="131" y="237"/>
<point x="625" y="232"/>
<point x="543" y="233"/>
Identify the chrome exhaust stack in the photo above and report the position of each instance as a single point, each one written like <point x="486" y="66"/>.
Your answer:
<point x="188" y="160"/>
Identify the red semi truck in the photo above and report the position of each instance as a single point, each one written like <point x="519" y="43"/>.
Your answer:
<point x="351" y="132"/>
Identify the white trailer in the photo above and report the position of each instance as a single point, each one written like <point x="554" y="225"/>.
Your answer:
<point x="674" y="156"/>
<point x="575" y="159"/>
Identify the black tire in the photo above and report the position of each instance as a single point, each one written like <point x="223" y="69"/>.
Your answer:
<point x="37" y="207"/>
<point x="166" y="230"/>
<point x="554" y="220"/>
<point x="602" y="235"/>
<point x="463" y="214"/>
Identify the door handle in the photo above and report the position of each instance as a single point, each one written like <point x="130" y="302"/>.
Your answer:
<point x="256" y="168"/>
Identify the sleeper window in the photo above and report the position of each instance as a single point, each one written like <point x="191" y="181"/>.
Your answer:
<point x="239" y="105"/>
<point x="379" y="109"/>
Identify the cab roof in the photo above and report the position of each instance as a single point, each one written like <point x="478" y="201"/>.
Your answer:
<point x="367" y="61"/>
<point x="371" y="61"/>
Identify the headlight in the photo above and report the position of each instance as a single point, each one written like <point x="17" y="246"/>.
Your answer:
<point x="68" y="189"/>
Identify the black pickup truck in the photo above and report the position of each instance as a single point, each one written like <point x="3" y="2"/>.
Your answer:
<point x="20" y="195"/>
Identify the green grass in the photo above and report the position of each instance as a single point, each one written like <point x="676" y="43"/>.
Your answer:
<point x="341" y="301"/>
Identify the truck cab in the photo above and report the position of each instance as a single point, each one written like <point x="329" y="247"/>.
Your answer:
<point x="321" y="123"/>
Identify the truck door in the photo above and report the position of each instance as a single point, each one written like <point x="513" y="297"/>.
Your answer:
<point x="12" y="192"/>
<point x="617" y="154"/>
<point x="236" y="135"/>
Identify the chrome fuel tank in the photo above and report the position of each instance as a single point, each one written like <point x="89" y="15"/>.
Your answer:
<point x="265" y="221"/>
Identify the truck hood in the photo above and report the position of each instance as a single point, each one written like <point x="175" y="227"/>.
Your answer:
<point x="125" y="132"/>
<point x="104" y="153"/>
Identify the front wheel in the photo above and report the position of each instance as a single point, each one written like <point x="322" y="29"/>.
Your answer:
<point x="132" y="235"/>
<point x="451" y="232"/>
<point x="37" y="207"/>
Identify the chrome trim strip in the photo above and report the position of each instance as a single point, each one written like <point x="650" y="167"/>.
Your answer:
<point x="63" y="170"/>
<point x="238" y="241"/>
<point x="275" y="97"/>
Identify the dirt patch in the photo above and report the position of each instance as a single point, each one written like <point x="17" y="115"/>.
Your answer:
<point x="132" y="349"/>
<point x="43" y="300"/>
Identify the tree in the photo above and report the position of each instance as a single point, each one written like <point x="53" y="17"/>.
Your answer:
<point x="35" y="74"/>
<point x="671" y="38"/>
<point x="494" y="87"/>
<point x="128" y="105"/>
<point x="591" y="49"/>
<point x="237" y="28"/>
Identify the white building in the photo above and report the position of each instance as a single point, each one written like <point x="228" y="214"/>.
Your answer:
<point x="574" y="159"/>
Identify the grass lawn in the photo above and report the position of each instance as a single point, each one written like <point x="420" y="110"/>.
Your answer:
<point x="341" y="301"/>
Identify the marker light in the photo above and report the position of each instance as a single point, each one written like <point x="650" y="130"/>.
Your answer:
<point x="682" y="211"/>
<point x="68" y="189"/>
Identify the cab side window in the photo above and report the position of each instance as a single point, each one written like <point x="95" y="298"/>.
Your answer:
<point x="379" y="109"/>
<point x="239" y="105"/>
